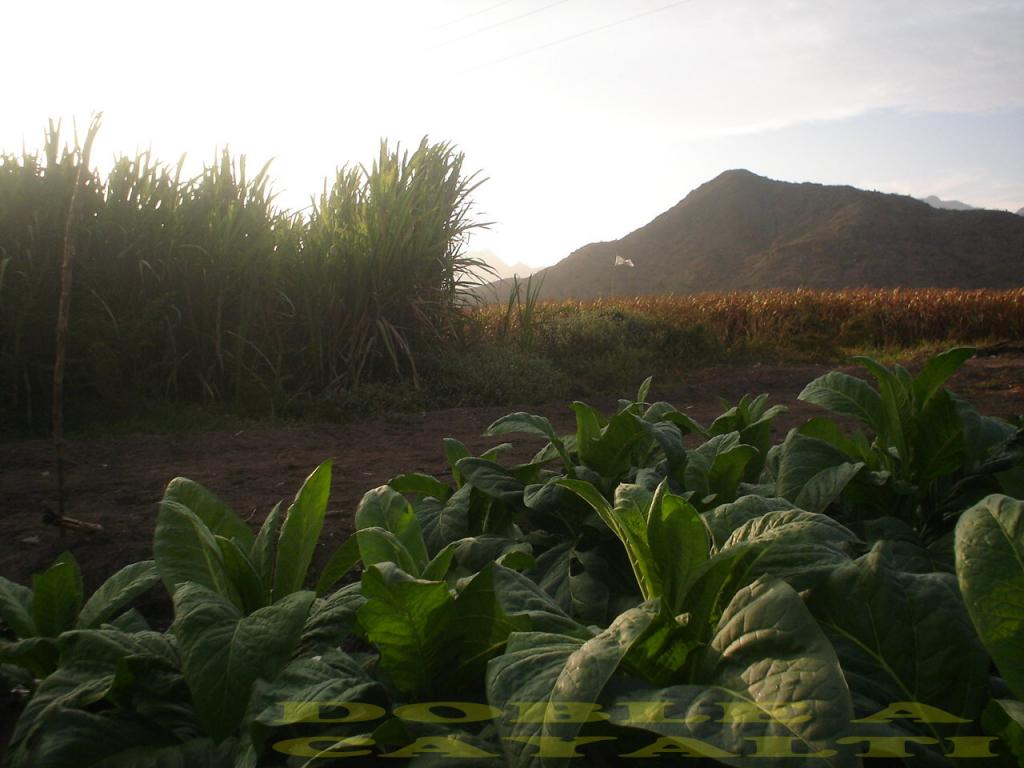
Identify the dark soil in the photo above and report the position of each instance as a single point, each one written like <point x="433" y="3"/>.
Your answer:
<point x="117" y="482"/>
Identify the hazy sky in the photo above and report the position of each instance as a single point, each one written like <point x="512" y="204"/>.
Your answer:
<point x="589" y="117"/>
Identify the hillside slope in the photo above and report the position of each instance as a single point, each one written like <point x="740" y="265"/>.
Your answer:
<point x="741" y="231"/>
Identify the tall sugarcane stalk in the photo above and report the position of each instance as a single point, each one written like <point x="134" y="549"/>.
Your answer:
<point x="63" y="317"/>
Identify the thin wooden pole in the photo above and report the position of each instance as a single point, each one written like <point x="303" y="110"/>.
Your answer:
<point x="63" y="317"/>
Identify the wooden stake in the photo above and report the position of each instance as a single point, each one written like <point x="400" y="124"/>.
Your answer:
<point x="63" y="316"/>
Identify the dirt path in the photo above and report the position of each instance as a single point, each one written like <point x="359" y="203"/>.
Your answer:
<point x="117" y="482"/>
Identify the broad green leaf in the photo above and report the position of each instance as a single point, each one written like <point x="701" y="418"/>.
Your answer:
<point x="910" y="556"/>
<point x="669" y="438"/>
<point x="661" y="653"/>
<point x="797" y="546"/>
<point x="644" y="390"/>
<point x="983" y="435"/>
<point x="632" y="533"/>
<point x="481" y="627"/>
<point x="548" y="498"/>
<point x="519" y="597"/>
<point x="713" y="585"/>
<point x="990" y="569"/>
<point x="1005" y="718"/>
<point x="767" y="658"/>
<point x="117" y="592"/>
<point x="938" y="447"/>
<point x="130" y="621"/>
<point x="410" y="621"/>
<point x="550" y="452"/>
<point x="38" y="655"/>
<point x="517" y="560"/>
<point x="215" y="514"/>
<point x="223" y="653"/>
<point x="847" y="395"/>
<point x="302" y="687"/>
<point x="634" y="504"/>
<point x="529" y="473"/>
<point x="379" y="545"/>
<point x="792" y="526"/>
<point x="902" y="636"/>
<point x="386" y="508"/>
<point x="186" y="551"/>
<point x="57" y="596"/>
<point x="801" y="459"/>
<point x="438" y="566"/>
<point x="264" y="549"/>
<point x="529" y="424"/>
<point x="74" y="685"/>
<point x="606" y="447"/>
<point x="492" y="479"/>
<point x="540" y="670"/>
<point x="441" y="524"/>
<point x="331" y="620"/>
<point x="474" y="553"/>
<point x="723" y="520"/>
<point x="825" y="487"/>
<point x="16" y="608"/>
<point x="453" y="451"/>
<point x="898" y="408"/>
<point x="491" y="454"/>
<point x="678" y="541"/>
<point x="662" y="411"/>
<point x="728" y="469"/>
<point x="855" y="447"/>
<point x="937" y="370"/>
<point x="752" y="419"/>
<point x="247" y="583"/>
<point x="421" y="485"/>
<point x="576" y="581"/>
<point x="522" y="680"/>
<point x="759" y="434"/>
<point x="300" y="532"/>
<point x="716" y="467"/>
<point x="342" y="561"/>
<point x="84" y="739"/>
<point x="110" y="647"/>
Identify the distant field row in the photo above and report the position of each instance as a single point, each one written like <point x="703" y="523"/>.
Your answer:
<point x="619" y="341"/>
<point x="856" y="317"/>
<point x="523" y="352"/>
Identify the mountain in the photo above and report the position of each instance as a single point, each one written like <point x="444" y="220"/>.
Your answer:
<point x="741" y="231"/>
<point x="949" y="205"/>
<point x="1020" y="212"/>
<point x="501" y="268"/>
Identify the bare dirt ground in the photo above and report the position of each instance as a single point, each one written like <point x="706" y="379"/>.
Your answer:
<point x="117" y="482"/>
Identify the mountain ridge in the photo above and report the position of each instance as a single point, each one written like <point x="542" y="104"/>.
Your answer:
<point x="950" y="205"/>
<point x="742" y="231"/>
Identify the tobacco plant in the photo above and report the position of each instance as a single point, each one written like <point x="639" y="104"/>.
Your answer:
<point x="930" y="455"/>
<point x="641" y="588"/>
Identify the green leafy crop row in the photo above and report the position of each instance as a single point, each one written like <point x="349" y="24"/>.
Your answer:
<point x="646" y="587"/>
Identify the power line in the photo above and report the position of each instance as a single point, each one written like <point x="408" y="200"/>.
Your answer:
<point x="473" y="15"/>
<point x="578" y="35"/>
<point x="498" y="24"/>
